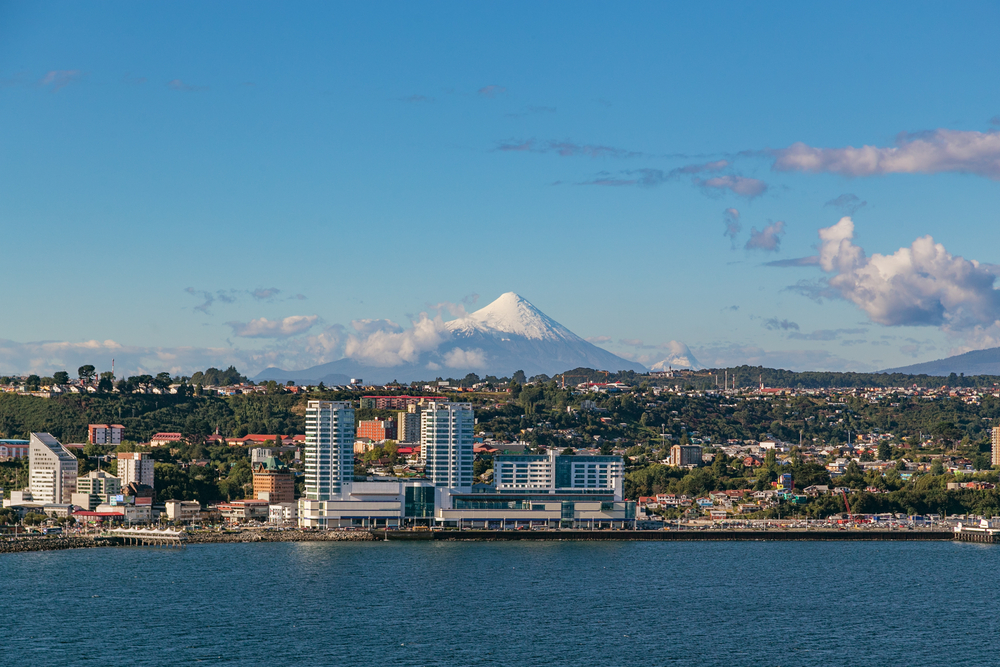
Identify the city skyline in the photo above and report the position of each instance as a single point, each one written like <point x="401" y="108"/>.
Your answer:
<point x="209" y="187"/>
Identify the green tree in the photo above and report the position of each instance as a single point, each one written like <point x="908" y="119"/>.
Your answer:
<point x="60" y="377"/>
<point x="937" y="468"/>
<point x="884" y="451"/>
<point x="86" y="372"/>
<point x="33" y="382"/>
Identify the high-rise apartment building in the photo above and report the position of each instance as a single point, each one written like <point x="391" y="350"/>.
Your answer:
<point x="99" y="483"/>
<point x="408" y="424"/>
<point x="273" y="481"/>
<point x="553" y="474"/>
<point x="329" y="450"/>
<point x="685" y="455"/>
<point x="135" y="467"/>
<point x="52" y="470"/>
<point x="105" y="434"/>
<point x="446" y="444"/>
<point x="996" y="446"/>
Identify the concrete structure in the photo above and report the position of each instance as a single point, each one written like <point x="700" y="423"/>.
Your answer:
<point x="553" y="474"/>
<point x="273" y="482"/>
<point x="446" y="444"/>
<point x="377" y="429"/>
<point x="259" y="454"/>
<point x="685" y="455"/>
<point x="52" y="470"/>
<point x="105" y="434"/>
<point x="135" y="467"/>
<point x="996" y="445"/>
<point x="282" y="514"/>
<point x="182" y="511"/>
<point x="241" y="511"/>
<point x="94" y="488"/>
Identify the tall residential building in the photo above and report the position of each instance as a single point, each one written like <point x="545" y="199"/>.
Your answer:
<point x="996" y="446"/>
<point x="685" y="455"/>
<point x="408" y="424"/>
<point x="446" y="444"/>
<point x="52" y="470"/>
<point x="135" y="467"/>
<point x="329" y="450"/>
<point x="105" y="434"/>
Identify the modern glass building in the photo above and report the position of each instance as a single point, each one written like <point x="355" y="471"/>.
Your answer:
<point x="555" y="474"/>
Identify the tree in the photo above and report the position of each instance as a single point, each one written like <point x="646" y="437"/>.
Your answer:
<point x="86" y="373"/>
<point x="60" y="377"/>
<point x="884" y="451"/>
<point x="567" y="452"/>
<point x="519" y="377"/>
<point x="936" y="467"/>
<point x="33" y="382"/>
<point x="106" y="383"/>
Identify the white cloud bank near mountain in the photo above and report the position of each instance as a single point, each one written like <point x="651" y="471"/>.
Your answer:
<point x="922" y="285"/>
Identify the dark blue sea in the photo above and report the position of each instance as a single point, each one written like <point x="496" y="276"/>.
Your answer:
<point x="544" y="603"/>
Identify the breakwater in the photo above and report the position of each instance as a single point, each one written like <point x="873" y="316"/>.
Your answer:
<point x="49" y="543"/>
<point x="672" y="535"/>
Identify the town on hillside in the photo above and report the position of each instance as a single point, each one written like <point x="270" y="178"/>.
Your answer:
<point x="585" y="449"/>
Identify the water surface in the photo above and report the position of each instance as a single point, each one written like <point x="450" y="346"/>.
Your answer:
<point x="505" y="603"/>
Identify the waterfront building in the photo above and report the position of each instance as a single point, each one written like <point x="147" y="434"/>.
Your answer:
<point x="52" y="468"/>
<point x="551" y="474"/>
<point x="105" y="434"/>
<point x="135" y="467"/>
<point x="685" y="455"/>
<point x="273" y="481"/>
<point x="446" y="444"/>
<point x="282" y="514"/>
<point x="182" y="511"/>
<point x="329" y="458"/>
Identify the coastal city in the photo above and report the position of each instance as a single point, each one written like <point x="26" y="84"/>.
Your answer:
<point x="629" y="452"/>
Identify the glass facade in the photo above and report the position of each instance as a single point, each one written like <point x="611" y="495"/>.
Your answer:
<point x="418" y="502"/>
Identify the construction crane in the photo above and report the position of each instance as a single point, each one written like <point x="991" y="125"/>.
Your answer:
<point x="850" y="516"/>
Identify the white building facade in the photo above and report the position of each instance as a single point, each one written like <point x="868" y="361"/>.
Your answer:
<point x="135" y="467"/>
<point x="446" y="444"/>
<point x="52" y="468"/>
<point x="329" y="459"/>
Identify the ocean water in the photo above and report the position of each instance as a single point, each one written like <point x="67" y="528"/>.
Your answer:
<point x="517" y="603"/>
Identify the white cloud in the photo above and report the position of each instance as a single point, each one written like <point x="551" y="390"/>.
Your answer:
<point x="265" y="328"/>
<point x="926" y="153"/>
<point x="920" y="285"/>
<point x="731" y="218"/>
<point x="459" y="358"/>
<point x="384" y="343"/>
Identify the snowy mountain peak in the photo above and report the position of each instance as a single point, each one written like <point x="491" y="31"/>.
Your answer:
<point x="515" y="315"/>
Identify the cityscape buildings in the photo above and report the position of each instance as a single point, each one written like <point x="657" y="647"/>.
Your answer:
<point x="446" y="444"/>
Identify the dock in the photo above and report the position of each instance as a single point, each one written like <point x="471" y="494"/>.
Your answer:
<point x="145" y="537"/>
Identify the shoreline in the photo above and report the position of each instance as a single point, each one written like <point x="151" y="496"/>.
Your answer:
<point x="39" y="543"/>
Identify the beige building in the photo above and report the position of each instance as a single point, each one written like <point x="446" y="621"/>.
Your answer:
<point x="135" y="467"/>
<point x="996" y="446"/>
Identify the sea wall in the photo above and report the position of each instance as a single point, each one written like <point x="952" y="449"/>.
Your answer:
<point x="674" y="535"/>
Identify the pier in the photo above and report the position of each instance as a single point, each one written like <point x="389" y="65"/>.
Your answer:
<point x="145" y="537"/>
<point x="982" y="533"/>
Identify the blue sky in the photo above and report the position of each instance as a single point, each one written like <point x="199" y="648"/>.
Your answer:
<point x="191" y="184"/>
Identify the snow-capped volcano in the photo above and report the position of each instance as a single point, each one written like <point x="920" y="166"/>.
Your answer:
<point x="514" y="315"/>
<point x="680" y="357"/>
<point x="508" y="335"/>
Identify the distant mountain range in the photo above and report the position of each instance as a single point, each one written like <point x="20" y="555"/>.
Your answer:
<point x="508" y="335"/>
<point x="977" y="362"/>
